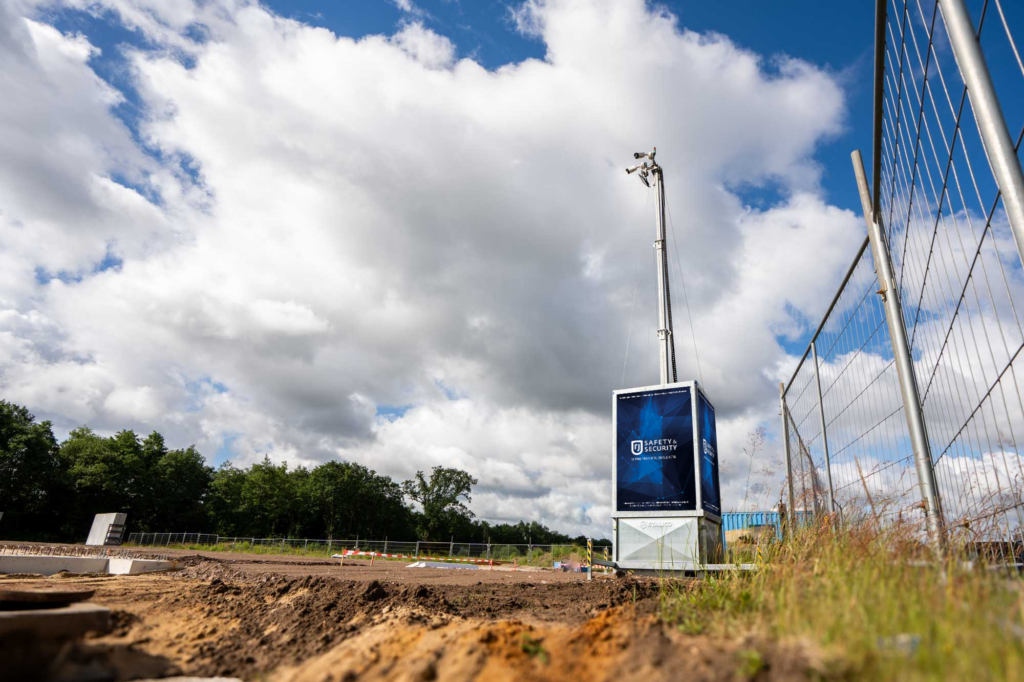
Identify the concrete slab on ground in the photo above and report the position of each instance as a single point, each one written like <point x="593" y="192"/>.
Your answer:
<point x="70" y="621"/>
<point x="440" y="564"/>
<point x="193" y="679"/>
<point x="48" y="565"/>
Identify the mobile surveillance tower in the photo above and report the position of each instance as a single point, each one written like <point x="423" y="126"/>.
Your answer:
<point x="666" y="502"/>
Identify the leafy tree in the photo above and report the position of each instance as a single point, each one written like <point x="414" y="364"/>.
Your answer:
<point x="225" y="501"/>
<point x="384" y="509"/>
<point x="440" y="496"/>
<point x="350" y="500"/>
<point x="332" y="489"/>
<point x="158" y="489"/>
<point x="267" y="499"/>
<point x="184" y="488"/>
<point x="94" y="480"/>
<point x="301" y="519"/>
<point x="30" y="472"/>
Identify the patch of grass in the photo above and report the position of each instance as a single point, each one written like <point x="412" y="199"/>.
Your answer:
<point x="320" y="550"/>
<point x="751" y="663"/>
<point x="533" y="648"/>
<point x="537" y="557"/>
<point x="875" y="598"/>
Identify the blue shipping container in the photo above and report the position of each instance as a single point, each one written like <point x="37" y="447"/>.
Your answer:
<point x="742" y="520"/>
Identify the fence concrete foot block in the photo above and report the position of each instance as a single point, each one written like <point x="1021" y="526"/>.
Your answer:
<point x="67" y="622"/>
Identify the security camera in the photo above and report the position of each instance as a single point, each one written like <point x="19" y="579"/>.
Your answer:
<point x="633" y="169"/>
<point x="638" y="155"/>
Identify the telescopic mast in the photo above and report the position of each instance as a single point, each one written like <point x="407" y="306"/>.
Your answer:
<point x="666" y="344"/>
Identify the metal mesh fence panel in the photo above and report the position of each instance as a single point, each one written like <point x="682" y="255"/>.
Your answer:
<point x="869" y="455"/>
<point x="806" y="452"/>
<point x="957" y="267"/>
<point x="942" y="150"/>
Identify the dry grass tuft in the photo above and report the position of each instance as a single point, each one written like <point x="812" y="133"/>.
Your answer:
<point x="874" y="598"/>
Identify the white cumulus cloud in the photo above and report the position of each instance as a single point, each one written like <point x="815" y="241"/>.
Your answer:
<point x="310" y="227"/>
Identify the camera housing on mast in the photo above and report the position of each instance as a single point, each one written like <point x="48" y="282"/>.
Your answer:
<point x="644" y="169"/>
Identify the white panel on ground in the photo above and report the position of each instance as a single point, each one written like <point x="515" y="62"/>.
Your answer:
<point x="134" y="566"/>
<point x="101" y="524"/>
<point x="660" y="541"/>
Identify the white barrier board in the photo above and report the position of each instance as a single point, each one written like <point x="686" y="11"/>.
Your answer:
<point x="101" y="524"/>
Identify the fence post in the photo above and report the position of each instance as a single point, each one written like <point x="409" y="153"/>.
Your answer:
<point x="451" y="547"/>
<point x="999" y="146"/>
<point x="783" y="521"/>
<point x="824" y="434"/>
<point x="785" y="445"/>
<point x="385" y="544"/>
<point x="417" y="549"/>
<point x="903" y="359"/>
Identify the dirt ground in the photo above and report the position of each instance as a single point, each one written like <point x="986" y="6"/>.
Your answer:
<point x="286" y="619"/>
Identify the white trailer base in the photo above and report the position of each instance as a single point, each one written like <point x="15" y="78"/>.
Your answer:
<point x="663" y="541"/>
<point x="679" y="569"/>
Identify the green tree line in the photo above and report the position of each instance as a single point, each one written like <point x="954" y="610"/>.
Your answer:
<point x="50" y="491"/>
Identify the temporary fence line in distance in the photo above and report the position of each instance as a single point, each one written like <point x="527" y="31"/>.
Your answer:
<point x="351" y="552"/>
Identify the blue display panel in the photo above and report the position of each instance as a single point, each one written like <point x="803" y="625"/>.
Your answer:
<point x="654" y="451"/>
<point x="710" y="493"/>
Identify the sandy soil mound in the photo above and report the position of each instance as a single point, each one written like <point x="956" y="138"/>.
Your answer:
<point x="619" y="644"/>
<point x="268" y="620"/>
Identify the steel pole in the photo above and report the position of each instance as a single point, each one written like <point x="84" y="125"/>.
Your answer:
<point x="903" y="358"/>
<point x="661" y="257"/>
<point x="879" y="98"/>
<point x="824" y="433"/>
<point x="999" y="147"/>
<point x="789" y="461"/>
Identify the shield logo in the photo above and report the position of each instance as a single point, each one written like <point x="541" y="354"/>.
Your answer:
<point x="638" y="447"/>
